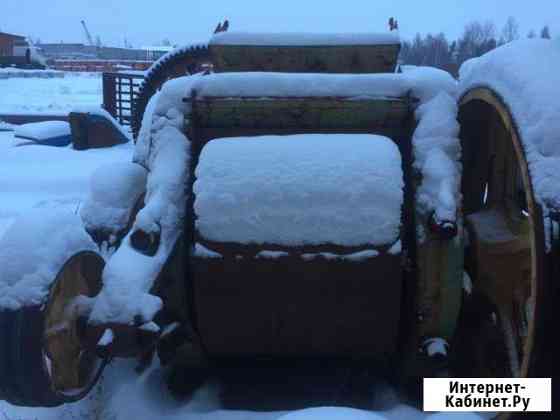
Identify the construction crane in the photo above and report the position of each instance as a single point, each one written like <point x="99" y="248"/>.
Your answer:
<point x="88" y="35"/>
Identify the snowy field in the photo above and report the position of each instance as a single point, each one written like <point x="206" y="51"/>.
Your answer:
<point x="34" y="176"/>
<point x="38" y="176"/>
<point x="50" y="95"/>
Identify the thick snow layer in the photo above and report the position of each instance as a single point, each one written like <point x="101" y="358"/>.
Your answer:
<point x="166" y="104"/>
<point x="114" y="190"/>
<point x="261" y="84"/>
<point x="50" y="95"/>
<point x="33" y="250"/>
<point x="127" y="279"/>
<point x="421" y="82"/>
<point x="41" y="176"/>
<point x="300" y="190"/>
<point x="43" y="130"/>
<point x="41" y="190"/>
<point x="304" y="39"/>
<point x="129" y="275"/>
<point x="437" y="154"/>
<point x="428" y="82"/>
<point x="436" y="147"/>
<point x="525" y="74"/>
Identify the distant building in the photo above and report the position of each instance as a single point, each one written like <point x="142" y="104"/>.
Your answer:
<point x="72" y="51"/>
<point x="9" y="44"/>
<point x="153" y="53"/>
<point x="60" y="51"/>
<point x="81" y="57"/>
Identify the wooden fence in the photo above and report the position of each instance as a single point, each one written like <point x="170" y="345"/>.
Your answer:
<point x="119" y="94"/>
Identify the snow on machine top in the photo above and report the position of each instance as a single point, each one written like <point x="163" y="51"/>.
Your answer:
<point x="43" y="130"/>
<point x="300" y="190"/>
<point x="304" y="39"/>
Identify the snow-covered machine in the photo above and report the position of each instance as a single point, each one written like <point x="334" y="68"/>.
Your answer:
<point x="304" y="204"/>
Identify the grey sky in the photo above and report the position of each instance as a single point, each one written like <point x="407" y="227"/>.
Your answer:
<point x="184" y="21"/>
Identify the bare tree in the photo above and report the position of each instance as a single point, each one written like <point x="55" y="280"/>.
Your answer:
<point x="435" y="50"/>
<point x="477" y="39"/>
<point x="510" y="32"/>
<point x="413" y="53"/>
<point x="545" y="32"/>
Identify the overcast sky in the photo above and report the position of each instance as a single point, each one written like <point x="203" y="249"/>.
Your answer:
<point x="185" y="21"/>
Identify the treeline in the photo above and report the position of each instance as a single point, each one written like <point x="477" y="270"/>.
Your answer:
<point x="477" y="39"/>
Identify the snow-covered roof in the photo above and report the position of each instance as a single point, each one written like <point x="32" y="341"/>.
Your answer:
<point x="305" y="39"/>
<point x="43" y="130"/>
<point x="265" y="84"/>
<point x="420" y="82"/>
<point x="525" y="74"/>
<point x="306" y="189"/>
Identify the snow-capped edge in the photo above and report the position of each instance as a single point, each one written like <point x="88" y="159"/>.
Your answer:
<point x="305" y="39"/>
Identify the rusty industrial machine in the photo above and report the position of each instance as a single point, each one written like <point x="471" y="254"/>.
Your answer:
<point x="471" y="296"/>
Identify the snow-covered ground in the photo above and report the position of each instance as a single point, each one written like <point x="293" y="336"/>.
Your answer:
<point x="34" y="176"/>
<point x="50" y="95"/>
<point x="122" y="394"/>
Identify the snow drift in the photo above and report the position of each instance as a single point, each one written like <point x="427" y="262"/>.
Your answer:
<point x="33" y="250"/>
